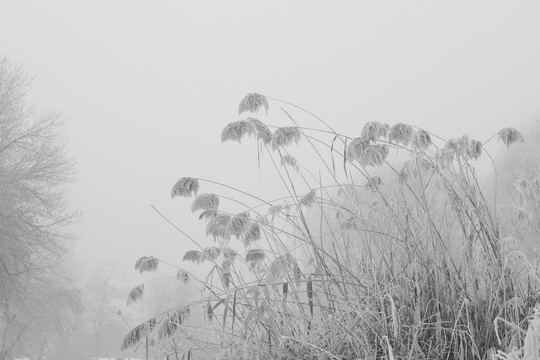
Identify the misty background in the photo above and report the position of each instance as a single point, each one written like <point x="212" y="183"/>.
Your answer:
<point x="146" y="89"/>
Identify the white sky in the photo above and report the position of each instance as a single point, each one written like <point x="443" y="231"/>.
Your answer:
<point x="147" y="87"/>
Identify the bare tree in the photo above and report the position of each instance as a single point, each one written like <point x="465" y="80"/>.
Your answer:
<point x="33" y="208"/>
<point x="49" y="317"/>
<point x="103" y="299"/>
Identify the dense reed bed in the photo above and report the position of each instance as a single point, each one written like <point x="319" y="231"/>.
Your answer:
<point x="387" y="248"/>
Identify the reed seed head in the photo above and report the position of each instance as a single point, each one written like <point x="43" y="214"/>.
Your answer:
<point x="285" y="136"/>
<point x="186" y="186"/>
<point x="401" y="134"/>
<point x="253" y="102"/>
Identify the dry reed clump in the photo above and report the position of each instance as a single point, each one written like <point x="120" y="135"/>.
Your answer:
<point x="146" y="263"/>
<point x="413" y="264"/>
<point x="288" y="160"/>
<point x="285" y="136"/>
<point x="252" y="103"/>
<point x="135" y="294"/>
<point x="373" y="131"/>
<point x="205" y="202"/>
<point x="509" y="136"/>
<point x="235" y="131"/>
<point x="421" y="140"/>
<point x="185" y="187"/>
<point x="400" y="134"/>
<point x="252" y="234"/>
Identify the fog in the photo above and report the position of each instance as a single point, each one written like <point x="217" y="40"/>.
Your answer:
<point x="146" y="89"/>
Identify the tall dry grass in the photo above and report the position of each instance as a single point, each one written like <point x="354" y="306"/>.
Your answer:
<point x="387" y="249"/>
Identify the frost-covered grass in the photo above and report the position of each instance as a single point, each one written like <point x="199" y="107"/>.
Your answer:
<point x="387" y="248"/>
